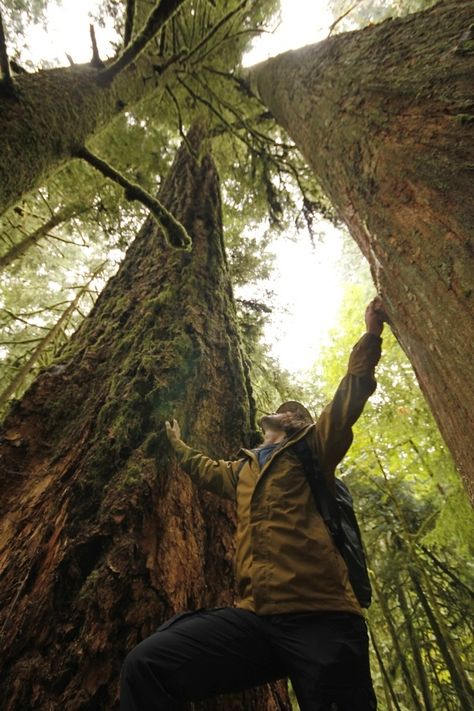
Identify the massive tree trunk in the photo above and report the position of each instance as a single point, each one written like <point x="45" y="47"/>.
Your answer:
<point x="102" y="536"/>
<point x="385" y="117"/>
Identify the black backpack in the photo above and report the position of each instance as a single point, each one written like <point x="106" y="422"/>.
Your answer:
<point x="338" y="515"/>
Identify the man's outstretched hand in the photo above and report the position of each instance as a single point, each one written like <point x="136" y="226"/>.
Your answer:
<point x="375" y="316"/>
<point x="173" y="431"/>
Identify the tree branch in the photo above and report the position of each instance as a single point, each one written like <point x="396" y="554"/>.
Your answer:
<point x="224" y="20"/>
<point x="341" y="17"/>
<point x="173" y="230"/>
<point x="156" y="20"/>
<point x="96" y="60"/>
<point x="129" y="17"/>
<point x="19" y="380"/>
<point x="21" y="247"/>
<point x="7" y="80"/>
<point x="180" y="122"/>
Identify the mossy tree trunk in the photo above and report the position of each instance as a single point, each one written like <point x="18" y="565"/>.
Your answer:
<point x="385" y="117"/>
<point x="102" y="536"/>
<point x="55" y="111"/>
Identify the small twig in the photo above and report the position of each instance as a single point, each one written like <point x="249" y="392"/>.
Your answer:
<point x="156" y="20"/>
<point x="70" y="60"/>
<point x="48" y="206"/>
<point x="7" y="79"/>
<point x="180" y="122"/>
<point x="341" y="17"/>
<point x="129" y="17"/>
<point x="173" y="230"/>
<point x="178" y="57"/>
<point x="226" y="38"/>
<point x="15" y="317"/>
<point x="96" y="60"/>
<point x="216" y="28"/>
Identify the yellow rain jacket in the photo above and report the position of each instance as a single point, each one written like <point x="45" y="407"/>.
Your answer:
<point x="285" y="558"/>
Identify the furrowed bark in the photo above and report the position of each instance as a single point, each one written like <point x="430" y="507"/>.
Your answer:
<point x="385" y="117"/>
<point x="55" y="111"/>
<point x="102" y="535"/>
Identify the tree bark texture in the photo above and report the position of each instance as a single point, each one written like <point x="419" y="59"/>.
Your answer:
<point x="385" y="117"/>
<point x="54" y="112"/>
<point x="102" y="535"/>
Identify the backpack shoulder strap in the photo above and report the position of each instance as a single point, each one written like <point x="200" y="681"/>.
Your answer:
<point x="324" y="499"/>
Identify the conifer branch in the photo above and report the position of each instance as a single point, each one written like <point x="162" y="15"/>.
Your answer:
<point x="18" y="249"/>
<point x="7" y="79"/>
<point x="156" y="20"/>
<point x="180" y="122"/>
<point x="129" y="18"/>
<point x="43" y="343"/>
<point x="224" y="20"/>
<point x="173" y="230"/>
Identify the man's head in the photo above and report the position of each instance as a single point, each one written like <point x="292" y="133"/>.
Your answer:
<point x="290" y="417"/>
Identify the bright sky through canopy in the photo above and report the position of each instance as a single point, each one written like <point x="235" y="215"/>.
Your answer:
<point x="307" y="283"/>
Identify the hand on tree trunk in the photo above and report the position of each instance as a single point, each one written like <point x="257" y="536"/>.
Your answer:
<point x="375" y="316"/>
<point x="173" y="431"/>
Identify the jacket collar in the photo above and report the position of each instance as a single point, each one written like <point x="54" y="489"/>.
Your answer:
<point x="284" y="445"/>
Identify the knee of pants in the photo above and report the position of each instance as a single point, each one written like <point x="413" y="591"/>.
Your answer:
<point x="136" y="665"/>
<point x="130" y="663"/>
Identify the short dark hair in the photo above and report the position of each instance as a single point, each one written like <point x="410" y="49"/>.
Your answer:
<point x="292" y="422"/>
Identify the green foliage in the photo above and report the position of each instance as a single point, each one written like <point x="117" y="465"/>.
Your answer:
<point x="415" y="517"/>
<point x="19" y="14"/>
<point x="264" y="177"/>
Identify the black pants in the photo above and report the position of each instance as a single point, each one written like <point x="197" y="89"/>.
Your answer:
<point x="197" y="655"/>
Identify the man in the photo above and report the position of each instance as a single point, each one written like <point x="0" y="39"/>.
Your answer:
<point x="297" y="615"/>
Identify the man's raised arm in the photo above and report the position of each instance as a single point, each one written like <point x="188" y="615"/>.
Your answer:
<point x="333" y="431"/>
<point x="218" y="476"/>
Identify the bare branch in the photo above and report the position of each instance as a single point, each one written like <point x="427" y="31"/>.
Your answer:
<point x="180" y="121"/>
<point x="156" y="20"/>
<point x="129" y="17"/>
<point x="96" y="60"/>
<point x="341" y="17"/>
<point x="16" y="317"/>
<point x="70" y="60"/>
<point x="173" y="230"/>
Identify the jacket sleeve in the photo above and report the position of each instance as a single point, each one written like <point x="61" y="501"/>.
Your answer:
<point x="333" y="430"/>
<point x="219" y="476"/>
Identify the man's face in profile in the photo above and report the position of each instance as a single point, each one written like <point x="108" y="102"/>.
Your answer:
<point x="287" y="422"/>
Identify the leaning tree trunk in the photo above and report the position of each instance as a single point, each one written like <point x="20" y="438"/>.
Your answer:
<point x="385" y="116"/>
<point x="102" y="535"/>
